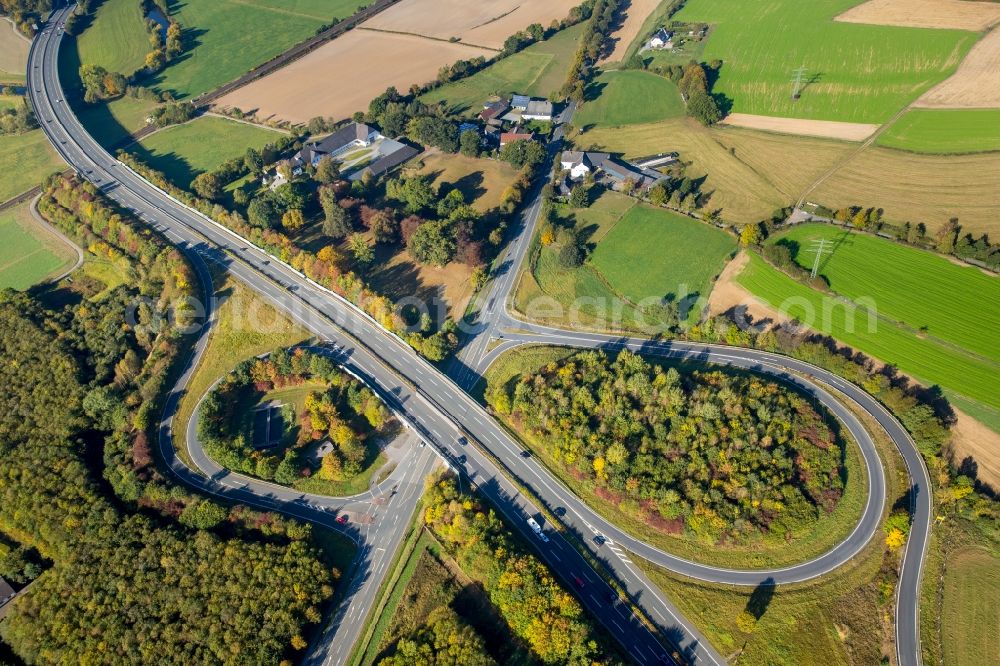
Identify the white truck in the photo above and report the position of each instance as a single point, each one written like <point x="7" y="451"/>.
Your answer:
<point x="537" y="529"/>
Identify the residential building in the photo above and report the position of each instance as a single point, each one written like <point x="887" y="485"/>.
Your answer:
<point x="661" y="39"/>
<point x="493" y="110"/>
<point x="520" y="102"/>
<point x="579" y="164"/>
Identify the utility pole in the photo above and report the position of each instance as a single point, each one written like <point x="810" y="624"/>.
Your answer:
<point x="819" y="247"/>
<point x="798" y="76"/>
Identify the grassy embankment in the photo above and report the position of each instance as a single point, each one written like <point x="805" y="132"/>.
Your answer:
<point x="769" y="551"/>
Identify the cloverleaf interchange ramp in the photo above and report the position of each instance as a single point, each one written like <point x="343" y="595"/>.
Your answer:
<point x="441" y="412"/>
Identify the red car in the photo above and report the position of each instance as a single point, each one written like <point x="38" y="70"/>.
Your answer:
<point x="578" y="581"/>
<point x="342" y="519"/>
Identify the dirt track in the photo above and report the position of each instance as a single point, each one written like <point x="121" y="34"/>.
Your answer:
<point x="343" y="76"/>
<point x="956" y="14"/>
<point x="828" y="129"/>
<point x="635" y="15"/>
<point x="976" y="84"/>
<point x="483" y="23"/>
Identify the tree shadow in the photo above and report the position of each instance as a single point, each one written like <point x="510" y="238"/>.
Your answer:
<point x="593" y="91"/>
<point x="760" y="598"/>
<point x="470" y="185"/>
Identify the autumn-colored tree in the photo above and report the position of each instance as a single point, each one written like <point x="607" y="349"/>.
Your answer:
<point x="293" y="219"/>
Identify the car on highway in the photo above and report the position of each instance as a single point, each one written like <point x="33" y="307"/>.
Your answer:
<point x="537" y="529"/>
<point x="578" y="582"/>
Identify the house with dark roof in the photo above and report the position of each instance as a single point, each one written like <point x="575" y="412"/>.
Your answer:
<point x="520" y="102"/>
<point x="493" y="110"/>
<point x="390" y="155"/>
<point x="353" y="136"/>
<point x="579" y="163"/>
<point x="661" y="39"/>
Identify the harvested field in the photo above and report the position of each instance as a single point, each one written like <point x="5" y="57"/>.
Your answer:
<point x="954" y="14"/>
<point x="920" y="188"/>
<point x="728" y="294"/>
<point x="829" y="129"/>
<point x="635" y="16"/>
<point x="970" y="615"/>
<point x="976" y="83"/>
<point x="13" y="53"/>
<point x="970" y="438"/>
<point x="746" y="170"/>
<point x="484" y="23"/>
<point x="346" y="74"/>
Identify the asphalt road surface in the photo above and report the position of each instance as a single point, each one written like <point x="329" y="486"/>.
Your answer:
<point x="441" y="412"/>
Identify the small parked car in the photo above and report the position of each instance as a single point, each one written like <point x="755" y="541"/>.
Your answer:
<point x="342" y="519"/>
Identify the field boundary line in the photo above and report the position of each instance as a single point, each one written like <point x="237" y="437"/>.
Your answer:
<point x="60" y="236"/>
<point x="433" y="39"/>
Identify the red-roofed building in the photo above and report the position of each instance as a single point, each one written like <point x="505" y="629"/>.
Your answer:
<point x="511" y="137"/>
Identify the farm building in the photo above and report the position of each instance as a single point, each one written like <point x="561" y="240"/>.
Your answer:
<point x="390" y="154"/>
<point x="538" y="110"/>
<point x="355" y="135"/>
<point x="493" y="110"/>
<point x="579" y="164"/>
<point x="520" y="102"/>
<point x="661" y="39"/>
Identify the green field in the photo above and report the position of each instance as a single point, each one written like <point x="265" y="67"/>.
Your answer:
<point x="967" y="379"/>
<point x="226" y="38"/>
<point x="539" y="70"/>
<point x="116" y="39"/>
<point x="25" y="159"/>
<point x="856" y="73"/>
<point x="653" y="252"/>
<point x="628" y="98"/>
<point x="28" y="253"/>
<point x="637" y="253"/>
<point x="970" y="614"/>
<point x="945" y="131"/>
<point x="184" y="151"/>
<point x="112" y="123"/>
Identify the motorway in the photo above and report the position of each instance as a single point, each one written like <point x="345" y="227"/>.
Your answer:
<point x="442" y="413"/>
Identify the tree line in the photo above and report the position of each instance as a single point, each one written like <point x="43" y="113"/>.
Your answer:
<point x="25" y="13"/>
<point x="185" y="579"/>
<point x="341" y="409"/>
<point x="713" y="454"/>
<point x="601" y="18"/>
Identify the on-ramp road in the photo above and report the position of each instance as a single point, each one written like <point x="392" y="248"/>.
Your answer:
<point x="441" y="412"/>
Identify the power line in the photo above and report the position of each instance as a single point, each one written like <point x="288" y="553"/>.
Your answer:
<point x="819" y="247"/>
<point x="797" y="77"/>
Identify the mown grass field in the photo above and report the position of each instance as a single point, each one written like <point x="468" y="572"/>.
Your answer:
<point x="656" y="253"/>
<point x="184" y="151"/>
<point x="630" y="97"/>
<point x="971" y="616"/>
<point x="116" y="39"/>
<point x="28" y="253"/>
<point x="920" y="289"/>
<point x="958" y="373"/>
<point x="809" y="541"/>
<point x="855" y="73"/>
<point x="637" y="253"/>
<point x="112" y="123"/>
<point x="25" y="159"/>
<point x="234" y="36"/>
<point x="745" y="170"/>
<point x="539" y="70"/>
<point x="945" y="131"/>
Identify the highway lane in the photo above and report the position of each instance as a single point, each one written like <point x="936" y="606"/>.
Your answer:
<point x="332" y="320"/>
<point x="435" y="404"/>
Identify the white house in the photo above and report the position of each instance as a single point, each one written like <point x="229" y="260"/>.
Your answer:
<point x="579" y="164"/>
<point x="661" y="39"/>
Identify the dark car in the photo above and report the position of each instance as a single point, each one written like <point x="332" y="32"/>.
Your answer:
<point x="578" y="581"/>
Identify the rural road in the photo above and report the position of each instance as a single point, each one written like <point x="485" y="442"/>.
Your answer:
<point x="442" y="413"/>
